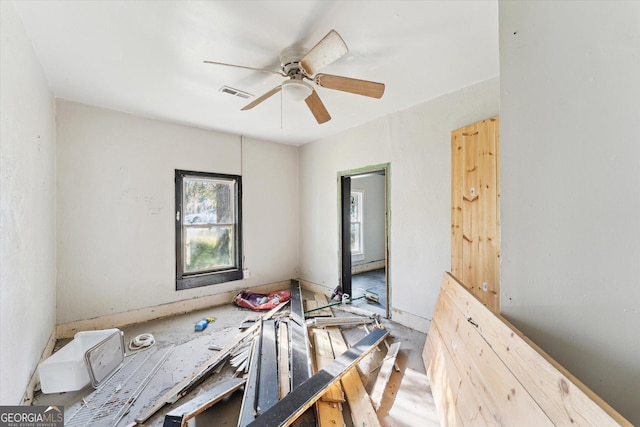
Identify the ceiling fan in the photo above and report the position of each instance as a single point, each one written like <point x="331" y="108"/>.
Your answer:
<point x="299" y="64"/>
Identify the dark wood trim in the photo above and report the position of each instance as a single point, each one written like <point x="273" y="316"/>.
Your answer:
<point x="345" y="205"/>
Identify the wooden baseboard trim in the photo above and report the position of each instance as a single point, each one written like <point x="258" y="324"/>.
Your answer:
<point x="127" y="318"/>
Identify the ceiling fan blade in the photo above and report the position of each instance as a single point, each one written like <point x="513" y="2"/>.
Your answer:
<point x="317" y="108"/>
<point x="262" y="98"/>
<point x="328" y="50"/>
<point x="347" y="84"/>
<point x="246" y="68"/>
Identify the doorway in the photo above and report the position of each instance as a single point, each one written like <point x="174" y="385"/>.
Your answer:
<point x="364" y="237"/>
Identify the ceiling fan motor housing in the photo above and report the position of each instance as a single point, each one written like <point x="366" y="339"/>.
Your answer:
<point x="290" y="61"/>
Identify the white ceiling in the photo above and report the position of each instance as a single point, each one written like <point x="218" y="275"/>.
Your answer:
<point x="145" y="57"/>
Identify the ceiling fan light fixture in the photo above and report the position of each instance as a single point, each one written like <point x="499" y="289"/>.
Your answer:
<point x="296" y="90"/>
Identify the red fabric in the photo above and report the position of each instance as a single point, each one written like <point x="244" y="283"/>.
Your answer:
<point x="256" y="301"/>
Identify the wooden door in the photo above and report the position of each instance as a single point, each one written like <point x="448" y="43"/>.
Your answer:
<point x="475" y="209"/>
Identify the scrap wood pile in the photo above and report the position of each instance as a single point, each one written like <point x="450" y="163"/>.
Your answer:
<point x="289" y="370"/>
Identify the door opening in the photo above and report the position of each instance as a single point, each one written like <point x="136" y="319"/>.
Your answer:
<point x="364" y="230"/>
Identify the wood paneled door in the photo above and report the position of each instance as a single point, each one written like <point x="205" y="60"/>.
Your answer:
<point x="475" y="209"/>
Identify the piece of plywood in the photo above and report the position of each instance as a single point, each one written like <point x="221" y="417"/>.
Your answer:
<point x="476" y="358"/>
<point x="383" y="376"/>
<point x="301" y="398"/>
<point x="182" y="414"/>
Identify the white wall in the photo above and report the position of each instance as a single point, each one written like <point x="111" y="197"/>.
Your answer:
<point x="116" y="247"/>
<point x="570" y="173"/>
<point x="417" y="144"/>
<point x="373" y="216"/>
<point x="27" y="208"/>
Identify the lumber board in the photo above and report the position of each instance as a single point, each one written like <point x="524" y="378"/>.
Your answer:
<point x="322" y="301"/>
<point x="182" y="414"/>
<point x="284" y="381"/>
<point x="248" y="406"/>
<point x="324" y="357"/>
<point x="300" y="365"/>
<point x="468" y="343"/>
<point x="561" y="395"/>
<point x="383" y="376"/>
<point x="301" y="398"/>
<point x="503" y="396"/>
<point x="268" y="390"/>
<point x="201" y="372"/>
<point x="311" y="305"/>
<point x="300" y="369"/>
<point x="446" y="384"/>
<point x="329" y="414"/>
<point x="362" y="410"/>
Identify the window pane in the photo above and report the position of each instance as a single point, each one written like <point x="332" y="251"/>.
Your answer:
<point x="208" y="201"/>
<point x="355" y="237"/>
<point x="355" y="207"/>
<point x="208" y="248"/>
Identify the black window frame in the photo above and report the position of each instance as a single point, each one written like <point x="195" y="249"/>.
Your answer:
<point x="212" y="277"/>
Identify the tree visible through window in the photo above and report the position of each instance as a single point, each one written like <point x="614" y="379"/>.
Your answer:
<point x="208" y="231"/>
<point x="356" y="222"/>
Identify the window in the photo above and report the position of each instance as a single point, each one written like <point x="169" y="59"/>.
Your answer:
<point x="208" y="228"/>
<point x="357" y="247"/>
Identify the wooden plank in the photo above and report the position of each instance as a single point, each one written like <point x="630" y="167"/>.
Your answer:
<point x="562" y="396"/>
<point x="475" y="213"/>
<point x="300" y="367"/>
<point x="310" y="305"/>
<point x="361" y="408"/>
<point x="383" y="376"/>
<point x="446" y="384"/>
<point x="501" y="395"/>
<point x="329" y="414"/>
<point x="248" y="407"/>
<point x="283" y="359"/>
<point x="324" y="357"/>
<point x="322" y="301"/>
<point x="301" y="398"/>
<point x="182" y="414"/>
<point x="268" y="390"/>
<point x="456" y="202"/>
<point x="200" y="373"/>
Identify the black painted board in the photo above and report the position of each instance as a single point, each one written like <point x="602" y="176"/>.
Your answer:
<point x="296" y="402"/>
<point x="247" y="410"/>
<point x="268" y="391"/>
<point x="201" y="403"/>
<point x="300" y="366"/>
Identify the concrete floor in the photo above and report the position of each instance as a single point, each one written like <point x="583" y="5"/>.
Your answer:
<point x="407" y="401"/>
